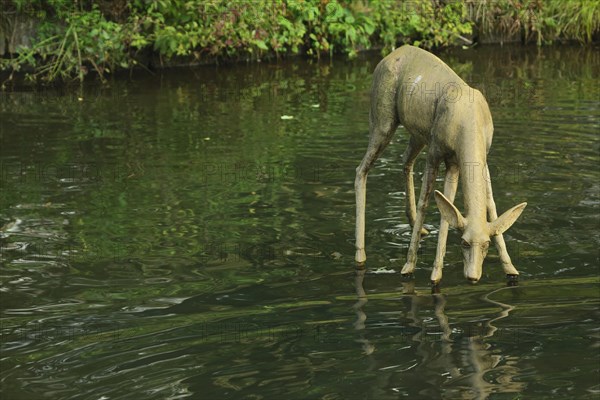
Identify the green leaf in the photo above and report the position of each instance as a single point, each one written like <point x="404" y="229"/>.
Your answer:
<point x="351" y="34"/>
<point x="261" y="45"/>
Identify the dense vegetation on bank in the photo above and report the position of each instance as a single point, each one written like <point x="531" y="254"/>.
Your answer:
<point x="65" y="39"/>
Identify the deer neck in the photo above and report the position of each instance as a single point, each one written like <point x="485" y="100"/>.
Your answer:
<point x="471" y="155"/>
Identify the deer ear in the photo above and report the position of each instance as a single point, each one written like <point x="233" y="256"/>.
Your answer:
<point x="449" y="212"/>
<point x="503" y="222"/>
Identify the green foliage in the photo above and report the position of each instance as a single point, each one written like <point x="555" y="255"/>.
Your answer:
<point x="573" y="19"/>
<point x="82" y="40"/>
<point x="427" y="24"/>
<point x="351" y="30"/>
<point x="251" y="29"/>
<point x="184" y="28"/>
<point x="78" y="36"/>
<point x="542" y="21"/>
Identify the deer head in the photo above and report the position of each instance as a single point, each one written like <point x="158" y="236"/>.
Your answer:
<point x="476" y="232"/>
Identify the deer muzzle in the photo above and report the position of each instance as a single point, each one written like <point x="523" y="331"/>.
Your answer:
<point x="473" y="263"/>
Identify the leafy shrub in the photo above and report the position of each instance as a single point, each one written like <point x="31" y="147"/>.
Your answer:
<point x="78" y="36"/>
<point x="542" y="21"/>
<point x="428" y="24"/>
<point x="70" y="42"/>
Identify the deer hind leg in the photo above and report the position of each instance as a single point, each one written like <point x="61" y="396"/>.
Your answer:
<point x="428" y="181"/>
<point x="410" y="155"/>
<point x="450" y="186"/>
<point x="379" y="137"/>
<point x="507" y="265"/>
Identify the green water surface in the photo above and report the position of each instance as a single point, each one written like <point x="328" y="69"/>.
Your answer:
<point x="190" y="234"/>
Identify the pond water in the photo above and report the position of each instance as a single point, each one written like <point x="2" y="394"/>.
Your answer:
<point x="191" y="233"/>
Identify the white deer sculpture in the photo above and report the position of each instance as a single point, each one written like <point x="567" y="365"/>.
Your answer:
<point x="414" y="88"/>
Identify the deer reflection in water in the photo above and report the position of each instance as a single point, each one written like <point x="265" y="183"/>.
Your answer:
<point x="450" y="363"/>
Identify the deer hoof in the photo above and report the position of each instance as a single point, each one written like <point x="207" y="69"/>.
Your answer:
<point x="360" y="257"/>
<point x="513" y="280"/>
<point x="510" y="269"/>
<point x="435" y="288"/>
<point x="436" y="275"/>
<point x="407" y="269"/>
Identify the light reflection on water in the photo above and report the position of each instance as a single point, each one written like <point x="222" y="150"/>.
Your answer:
<point x="175" y="236"/>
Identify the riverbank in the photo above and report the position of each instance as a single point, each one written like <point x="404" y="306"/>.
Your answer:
<point x="67" y="40"/>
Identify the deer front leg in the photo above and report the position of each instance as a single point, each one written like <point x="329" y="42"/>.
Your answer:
<point x="450" y="186"/>
<point x="428" y="181"/>
<point x="507" y="265"/>
<point x="360" y="187"/>
<point x="379" y="138"/>
<point x="410" y="155"/>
